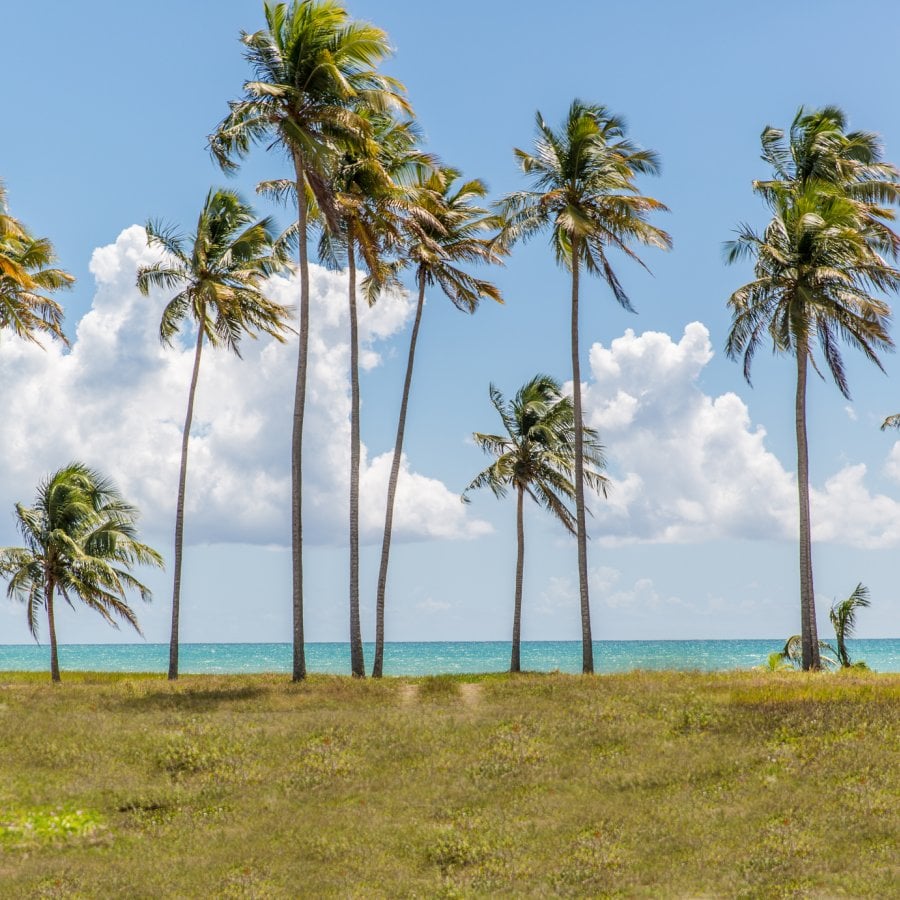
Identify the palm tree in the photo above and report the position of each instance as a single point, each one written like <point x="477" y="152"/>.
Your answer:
<point x="843" y="618"/>
<point x="367" y="186"/>
<point x="80" y="543"/>
<point x="445" y="227"/>
<point x="27" y="276"/>
<point x="219" y="279"/>
<point x="816" y="266"/>
<point x="312" y="64"/>
<point x="584" y="193"/>
<point x="536" y="456"/>
<point x="791" y="655"/>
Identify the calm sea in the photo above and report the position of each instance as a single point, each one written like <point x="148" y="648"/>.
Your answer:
<point x="432" y="658"/>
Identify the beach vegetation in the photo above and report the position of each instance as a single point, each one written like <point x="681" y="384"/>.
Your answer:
<point x="219" y="274"/>
<point x="583" y="192"/>
<point x="639" y="784"/>
<point x="313" y="69"/>
<point x="445" y="229"/>
<point x="536" y="456"/>
<point x="81" y="544"/>
<point x="370" y="201"/>
<point x="28" y="279"/>
<point x="821" y="266"/>
<point x="843" y="619"/>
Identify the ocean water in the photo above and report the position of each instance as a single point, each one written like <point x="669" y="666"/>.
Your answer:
<point x="429" y="658"/>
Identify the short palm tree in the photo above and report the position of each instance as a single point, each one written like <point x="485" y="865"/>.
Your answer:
<point x="219" y="279"/>
<point x="313" y="66"/>
<point x="818" y="264"/>
<point x="444" y="227"/>
<point x="80" y="544"/>
<point x="27" y="278"/>
<point x="843" y="618"/>
<point x="584" y="194"/>
<point x="536" y="456"/>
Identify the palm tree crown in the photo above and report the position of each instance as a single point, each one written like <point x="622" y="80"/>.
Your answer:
<point x="816" y="271"/>
<point x="584" y="193"/>
<point x="81" y="543"/>
<point x="220" y="271"/>
<point x="537" y="453"/>
<point x="313" y="68"/>
<point x="27" y="277"/>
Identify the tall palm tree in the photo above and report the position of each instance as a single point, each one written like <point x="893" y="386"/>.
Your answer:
<point x="816" y="266"/>
<point x="80" y="544"/>
<point x="368" y="189"/>
<point x="843" y="618"/>
<point x="312" y="65"/>
<point x="536" y="456"/>
<point x="584" y="193"/>
<point x="27" y="277"/>
<point x="447" y="228"/>
<point x="219" y="279"/>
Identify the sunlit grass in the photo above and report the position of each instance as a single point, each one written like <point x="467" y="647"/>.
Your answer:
<point x="645" y="784"/>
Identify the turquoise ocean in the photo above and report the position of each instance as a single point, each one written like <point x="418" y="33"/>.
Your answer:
<point x="431" y="658"/>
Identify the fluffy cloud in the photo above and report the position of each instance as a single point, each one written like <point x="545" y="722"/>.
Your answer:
<point x="116" y="400"/>
<point x="691" y="467"/>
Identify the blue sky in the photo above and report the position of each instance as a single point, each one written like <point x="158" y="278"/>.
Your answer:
<point x="111" y="117"/>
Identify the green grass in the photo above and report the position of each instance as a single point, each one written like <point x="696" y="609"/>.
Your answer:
<point x="646" y="784"/>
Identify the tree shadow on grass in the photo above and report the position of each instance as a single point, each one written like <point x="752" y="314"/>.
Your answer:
<point x="193" y="699"/>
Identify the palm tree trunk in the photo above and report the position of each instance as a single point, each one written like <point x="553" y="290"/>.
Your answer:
<point x="378" y="664"/>
<point x="299" y="660"/>
<point x="587" y="646"/>
<point x="515" y="662"/>
<point x="843" y="657"/>
<point x="179" y="512"/>
<point x="51" y="627"/>
<point x="357" y="663"/>
<point x="808" y="631"/>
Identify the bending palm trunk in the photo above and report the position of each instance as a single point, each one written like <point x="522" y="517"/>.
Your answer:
<point x="357" y="663"/>
<point x="299" y="660"/>
<point x="179" y="513"/>
<point x="378" y="665"/>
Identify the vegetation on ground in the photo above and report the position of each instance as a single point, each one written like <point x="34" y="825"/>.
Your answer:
<point x="747" y="784"/>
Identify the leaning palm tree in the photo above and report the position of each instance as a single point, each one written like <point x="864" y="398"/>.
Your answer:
<point x="818" y="264"/>
<point x="219" y="279"/>
<point x="368" y="189"/>
<point x="80" y="544"/>
<point x="27" y="278"/>
<point x="536" y="456"/>
<point x="311" y="64"/>
<point x="584" y="194"/>
<point x="843" y="618"/>
<point x="444" y="227"/>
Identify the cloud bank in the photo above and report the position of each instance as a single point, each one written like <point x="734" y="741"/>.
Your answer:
<point x="691" y="467"/>
<point x="117" y="400"/>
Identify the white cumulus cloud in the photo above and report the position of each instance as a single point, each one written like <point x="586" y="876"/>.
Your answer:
<point x="116" y="400"/>
<point x="688" y="466"/>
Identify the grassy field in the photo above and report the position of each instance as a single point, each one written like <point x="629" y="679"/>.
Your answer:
<point x="673" y="785"/>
